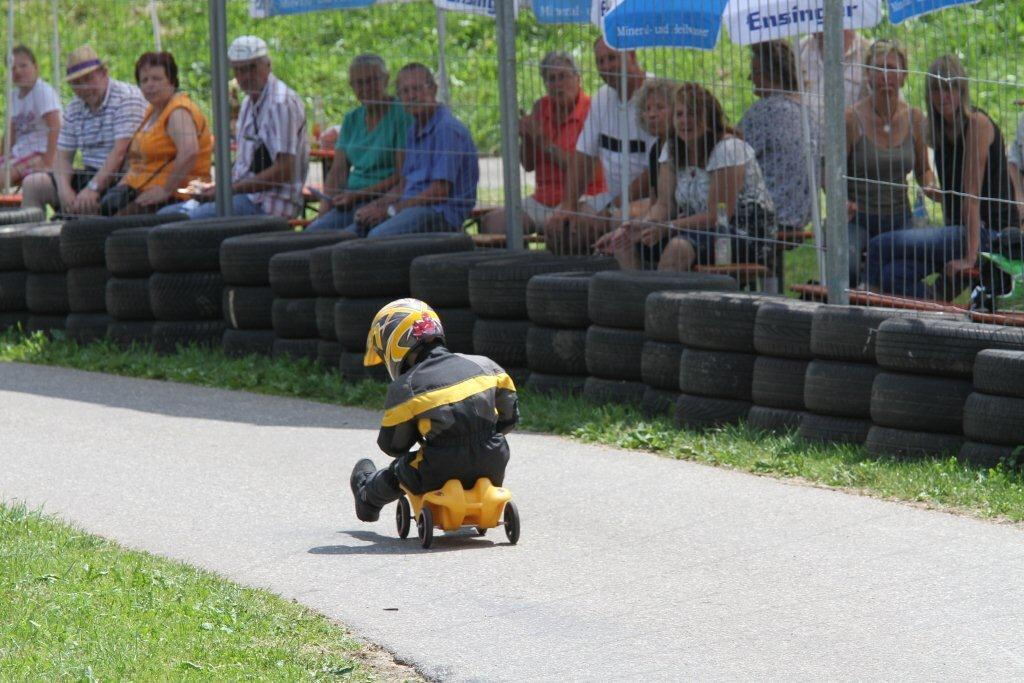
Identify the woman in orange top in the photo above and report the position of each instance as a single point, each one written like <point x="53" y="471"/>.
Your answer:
<point x="171" y="148"/>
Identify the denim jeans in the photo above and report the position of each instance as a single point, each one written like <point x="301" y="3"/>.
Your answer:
<point x="863" y="229"/>
<point x="241" y="205"/>
<point x="413" y="219"/>
<point x="335" y="219"/>
<point x="898" y="261"/>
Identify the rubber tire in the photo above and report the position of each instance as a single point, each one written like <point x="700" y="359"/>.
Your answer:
<point x="12" y="256"/>
<point x="774" y="420"/>
<point x="783" y="329"/>
<point x="717" y="374"/>
<point x="989" y="455"/>
<point x="699" y="413"/>
<point x="321" y="272"/>
<point x="194" y="245"/>
<point x="839" y="388"/>
<point x="659" y="365"/>
<point x="556" y="352"/>
<point x="40" y="249"/>
<point x="87" y="289"/>
<point x="661" y="316"/>
<point x="425" y="527"/>
<point x="328" y="354"/>
<point x="128" y="298"/>
<point x="47" y="293"/>
<point x="831" y="429"/>
<point x="289" y="275"/>
<point x="458" y="324"/>
<point x="45" y="323"/>
<point x="10" y="320"/>
<point x="658" y="402"/>
<point x="245" y="260"/>
<point x="296" y="349"/>
<point x="779" y="382"/>
<point x="601" y="391"/>
<point x="352" y="369"/>
<point x="618" y="299"/>
<point x="242" y="343"/>
<point x="183" y="296"/>
<point x="719" y="322"/>
<point x="325" y="318"/>
<point x="403" y="517"/>
<point x="613" y="353"/>
<point x="248" y="307"/>
<point x="126" y="333"/>
<point x="168" y="335"/>
<point x="994" y="419"/>
<point x="442" y="280"/>
<point x="559" y="299"/>
<point x="503" y="341"/>
<point x="510" y="518"/>
<point x="352" y="320"/>
<point x="295" y="318"/>
<point x="999" y="372"/>
<point x="380" y="267"/>
<point x="497" y="289"/>
<point x="83" y="240"/>
<point x="127" y="253"/>
<point x="939" y="347"/>
<point x="849" y="332"/>
<point x="24" y="214"/>
<point x="907" y="444"/>
<point x="920" y="404"/>
<point x="12" y="290"/>
<point x="86" y="328"/>
<point x="555" y="385"/>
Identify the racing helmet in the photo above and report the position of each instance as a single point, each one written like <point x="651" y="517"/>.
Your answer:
<point x="400" y="327"/>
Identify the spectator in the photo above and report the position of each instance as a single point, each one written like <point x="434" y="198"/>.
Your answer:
<point x="580" y="220"/>
<point x="35" y="119"/>
<point x="885" y="142"/>
<point x="368" y="153"/>
<point x="976" y="194"/>
<point x="547" y="138"/>
<point x="812" y="68"/>
<point x="773" y="127"/>
<point x="1015" y="162"/>
<point x="99" y="123"/>
<point x="272" y="156"/>
<point x="439" y="173"/>
<point x="171" y="147"/>
<point x="654" y="117"/>
<point x="706" y="165"/>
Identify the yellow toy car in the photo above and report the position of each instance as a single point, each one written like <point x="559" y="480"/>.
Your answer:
<point x="452" y="507"/>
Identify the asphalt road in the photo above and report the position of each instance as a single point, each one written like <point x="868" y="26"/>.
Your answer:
<point x="630" y="566"/>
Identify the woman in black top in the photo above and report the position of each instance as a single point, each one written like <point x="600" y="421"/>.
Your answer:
<point x="976" y="194"/>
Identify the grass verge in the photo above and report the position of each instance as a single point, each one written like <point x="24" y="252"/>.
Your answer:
<point x="996" y="493"/>
<point x="78" y="607"/>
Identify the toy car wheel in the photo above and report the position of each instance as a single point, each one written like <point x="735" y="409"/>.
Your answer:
<point x="425" y="527"/>
<point x="403" y="517"/>
<point x="481" y="531"/>
<point x="511" y="517"/>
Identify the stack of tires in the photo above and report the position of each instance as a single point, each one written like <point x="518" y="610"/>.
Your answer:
<point x="556" y="341"/>
<point x="82" y="247"/>
<point x="248" y="298"/>
<point x="497" y="294"/>
<point x="13" y="276"/>
<point x="46" y="286"/>
<point x="186" y="286"/>
<point x="22" y="216"/>
<point x="782" y="340"/>
<point x="919" y="400"/>
<point x="994" y="412"/>
<point x="616" y="338"/>
<point x="126" y="254"/>
<point x="716" y="369"/>
<point x="321" y="275"/>
<point x="293" y="311"/>
<point x="368" y="274"/>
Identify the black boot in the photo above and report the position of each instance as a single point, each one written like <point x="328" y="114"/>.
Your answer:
<point x="362" y="471"/>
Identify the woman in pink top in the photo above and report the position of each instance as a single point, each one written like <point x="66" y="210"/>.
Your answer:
<point x="547" y="140"/>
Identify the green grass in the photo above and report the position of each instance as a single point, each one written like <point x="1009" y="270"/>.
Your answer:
<point x="78" y="607"/>
<point x="942" y="483"/>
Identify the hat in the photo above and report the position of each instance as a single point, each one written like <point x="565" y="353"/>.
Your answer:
<point x="82" y="61"/>
<point x="245" y="48"/>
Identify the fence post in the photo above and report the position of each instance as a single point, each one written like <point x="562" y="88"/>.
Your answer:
<point x="505" y="23"/>
<point x="8" y="94"/>
<point x="221" y="113"/>
<point x="836" y="237"/>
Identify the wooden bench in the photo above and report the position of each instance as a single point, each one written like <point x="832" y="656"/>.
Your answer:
<point x="1012" y="319"/>
<point x="748" y="275"/>
<point x="10" y="201"/>
<point x="500" y="241"/>
<point x="859" y="297"/>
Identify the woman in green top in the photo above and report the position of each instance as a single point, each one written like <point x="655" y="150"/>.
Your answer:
<point x="368" y="155"/>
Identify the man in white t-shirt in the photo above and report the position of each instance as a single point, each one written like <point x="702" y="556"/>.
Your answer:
<point x="580" y="220"/>
<point x="811" y="55"/>
<point x="35" y="118"/>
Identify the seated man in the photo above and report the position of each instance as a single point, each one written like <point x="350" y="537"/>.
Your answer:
<point x="440" y="171"/>
<point x="272" y="156"/>
<point x="99" y="122"/>
<point x="579" y="221"/>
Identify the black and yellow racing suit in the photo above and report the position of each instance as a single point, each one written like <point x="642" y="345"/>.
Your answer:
<point x="458" y="408"/>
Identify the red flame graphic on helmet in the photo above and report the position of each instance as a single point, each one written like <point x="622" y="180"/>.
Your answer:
<point x="424" y="326"/>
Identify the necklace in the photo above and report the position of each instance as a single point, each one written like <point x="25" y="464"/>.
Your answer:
<point x="886" y="122"/>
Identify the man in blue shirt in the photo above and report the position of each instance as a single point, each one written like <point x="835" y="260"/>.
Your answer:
<point x="440" y="172"/>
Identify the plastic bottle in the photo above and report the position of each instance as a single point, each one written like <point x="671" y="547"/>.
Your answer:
<point x="919" y="212"/>
<point x="723" y="238"/>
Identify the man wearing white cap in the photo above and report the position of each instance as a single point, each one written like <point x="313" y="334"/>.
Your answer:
<point x="99" y="122"/>
<point x="272" y="155"/>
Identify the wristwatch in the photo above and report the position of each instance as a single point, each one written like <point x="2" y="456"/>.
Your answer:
<point x="392" y="211"/>
<point x="93" y="186"/>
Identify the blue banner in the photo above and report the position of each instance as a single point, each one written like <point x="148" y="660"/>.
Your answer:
<point x="901" y="10"/>
<point x="269" y="8"/>
<point x="664" y="23"/>
<point x="562" y="11"/>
